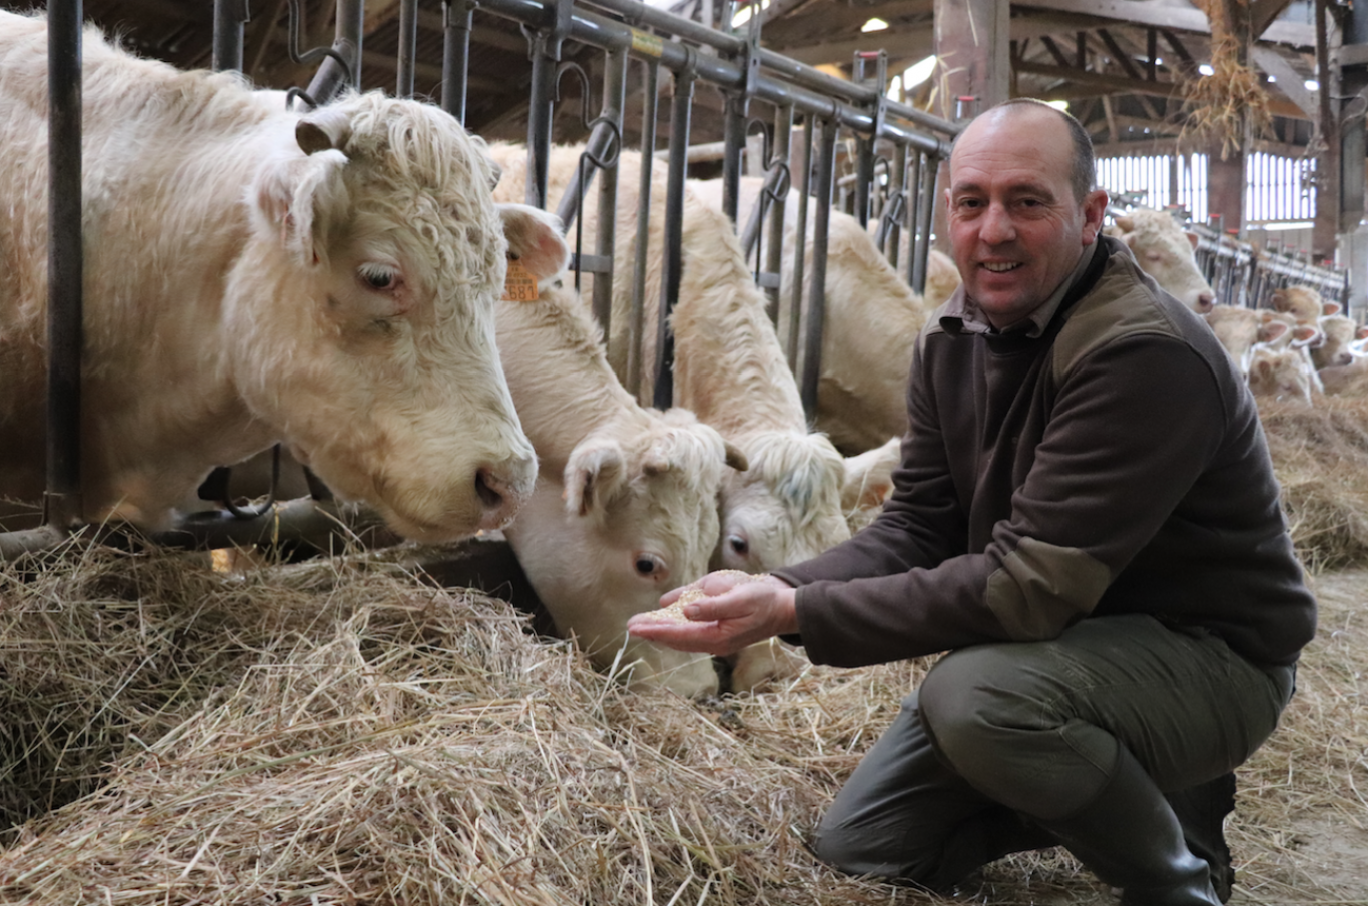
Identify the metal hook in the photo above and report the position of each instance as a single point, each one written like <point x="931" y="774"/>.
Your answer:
<point x="308" y="57"/>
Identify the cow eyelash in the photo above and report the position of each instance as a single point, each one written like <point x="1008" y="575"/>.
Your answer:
<point x="379" y="277"/>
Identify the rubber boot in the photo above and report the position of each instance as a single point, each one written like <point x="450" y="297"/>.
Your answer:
<point x="1130" y="838"/>
<point x="1202" y="810"/>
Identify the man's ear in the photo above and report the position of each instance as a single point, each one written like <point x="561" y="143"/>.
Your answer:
<point x="1094" y="212"/>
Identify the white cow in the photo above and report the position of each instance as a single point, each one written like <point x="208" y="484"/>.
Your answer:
<point x="1282" y="373"/>
<point x="1164" y="250"/>
<point x="869" y="331"/>
<point x="626" y="506"/>
<point x="254" y="275"/>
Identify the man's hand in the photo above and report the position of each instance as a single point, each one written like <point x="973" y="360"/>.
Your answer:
<point x="737" y="610"/>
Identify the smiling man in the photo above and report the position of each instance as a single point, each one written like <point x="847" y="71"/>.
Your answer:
<point x="1086" y="519"/>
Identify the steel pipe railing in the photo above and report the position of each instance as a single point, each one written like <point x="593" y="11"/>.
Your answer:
<point x="62" y="505"/>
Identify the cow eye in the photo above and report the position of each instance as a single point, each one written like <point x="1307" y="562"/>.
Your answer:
<point x="378" y="276"/>
<point x="649" y="565"/>
<point x="739" y="545"/>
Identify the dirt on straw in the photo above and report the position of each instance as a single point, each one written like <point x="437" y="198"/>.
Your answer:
<point x="341" y="732"/>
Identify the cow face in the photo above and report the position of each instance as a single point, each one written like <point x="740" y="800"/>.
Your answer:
<point x="786" y="507"/>
<point x="1165" y="251"/>
<point x="631" y="518"/>
<point x="362" y="310"/>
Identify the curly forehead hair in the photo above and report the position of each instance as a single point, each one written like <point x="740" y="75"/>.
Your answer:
<point x="1083" y="178"/>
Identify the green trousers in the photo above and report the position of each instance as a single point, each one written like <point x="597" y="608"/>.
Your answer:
<point x="1000" y="735"/>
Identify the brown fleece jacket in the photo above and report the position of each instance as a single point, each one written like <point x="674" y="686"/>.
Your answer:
<point x="1107" y="459"/>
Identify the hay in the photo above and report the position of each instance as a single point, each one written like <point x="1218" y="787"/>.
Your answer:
<point x="1320" y="455"/>
<point x="1221" y="106"/>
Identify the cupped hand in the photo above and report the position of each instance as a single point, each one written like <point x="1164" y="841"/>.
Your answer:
<point x="735" y="610"/>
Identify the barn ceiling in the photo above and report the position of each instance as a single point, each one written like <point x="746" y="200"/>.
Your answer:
<point x="1117" y="62"/>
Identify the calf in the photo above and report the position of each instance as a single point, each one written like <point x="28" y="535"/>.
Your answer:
<point x="625" y="508"/>
<point x="323" y="279"/>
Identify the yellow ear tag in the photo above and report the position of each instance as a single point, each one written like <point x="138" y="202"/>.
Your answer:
<point x="519" y="285"/>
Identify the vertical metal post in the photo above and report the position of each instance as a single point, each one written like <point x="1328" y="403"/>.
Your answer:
<point x="351" y="17"/>
<point x="774" y="249"/>
<point x="924" y="215"/>
<point x="864" y="177"/>
<point x="681" y="110"/>
<point x="62" y="502"/>
<point x="800" y="252"/>
<point x="916" y="202"/>
<point x="636" y="322"/>
<point x="816" y="307"/>
<point x="408" y="48"/>
<point x="539" y="114"/>
<point x="546" y="53"/>
<point x="614" y="103"/>
<point x="456" y="23"/>
<point x="229" y="17"/>
<point x="733" y="141"/>
<point x="897" y="187"/>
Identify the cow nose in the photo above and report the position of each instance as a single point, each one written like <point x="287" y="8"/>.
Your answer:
<point x="502" y="490"/>
<point x="1205" y="301"/>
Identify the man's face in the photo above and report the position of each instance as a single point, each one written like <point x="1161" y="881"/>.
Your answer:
<point x="1016" y="229"/>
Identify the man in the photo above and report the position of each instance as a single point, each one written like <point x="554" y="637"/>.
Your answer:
<point x="1086" y="519"/>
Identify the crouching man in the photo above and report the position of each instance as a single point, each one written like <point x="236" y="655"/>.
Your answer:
<point x="1086" y="519"/>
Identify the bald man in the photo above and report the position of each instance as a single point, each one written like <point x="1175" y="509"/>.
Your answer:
<point x="1086" y="520"/>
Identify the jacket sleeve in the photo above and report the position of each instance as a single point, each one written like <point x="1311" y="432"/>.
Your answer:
<point x="1132" y="427"/>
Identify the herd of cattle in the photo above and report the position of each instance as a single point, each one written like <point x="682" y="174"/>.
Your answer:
<point x="335" y="281"/>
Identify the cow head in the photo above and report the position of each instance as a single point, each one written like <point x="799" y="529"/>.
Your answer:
<point x="786" y="507"/>
<point x="633" y="516"/>
<point x="361" y="310"/>
<point x="1164" y="250"/>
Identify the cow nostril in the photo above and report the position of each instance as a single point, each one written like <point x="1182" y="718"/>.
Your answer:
<point x="484" y="486"/>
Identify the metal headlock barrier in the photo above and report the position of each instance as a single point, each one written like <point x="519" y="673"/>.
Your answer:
<point x="1241" y="274"/>
<point x="897" y="152"/>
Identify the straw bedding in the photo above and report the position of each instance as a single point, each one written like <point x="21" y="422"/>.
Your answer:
<point x="340" y="732"/>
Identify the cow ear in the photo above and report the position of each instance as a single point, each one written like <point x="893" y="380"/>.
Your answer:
<point x="1192" y="238"/>
<point x="1329" y="309"/>
<point x="535" y="240"/>
<point x="1278" y="300"/>
<point x="595" y="473"/>
<point x="1126" y="224"/>
<point x="298" y="198"/>
<point x="1273" y="329"/>
<point x="869" y="477"/>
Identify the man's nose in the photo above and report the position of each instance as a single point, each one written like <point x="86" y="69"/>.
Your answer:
<point x="996" y="226"/>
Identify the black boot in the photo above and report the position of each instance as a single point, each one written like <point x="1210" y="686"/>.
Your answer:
<point x="1202" y="810"/>
<point x="1130" y="838"/>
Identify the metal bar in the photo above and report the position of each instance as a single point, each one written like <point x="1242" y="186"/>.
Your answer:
<point x="897" y="183"/>
<point x="916" y="161"/>
<point x="925" y="211"/>
<point x="62" y="503"/>
<point x="816" y="307"/>
<point x="229" y="17"/>
<point x="332" y="77"/>
<point x="636" y="321"/>
<point x="636" y="13"/>
<point x="614" y="104"/>
<point x="800" y="247"/>
<point x="408" y="48"/>
<point x="456" y="24"/>
<point x="774" y="251"/>
<point x="681" y="109"/>
<point x="589" y="28"/>
<point x="733" y="141"/>
<point x="864" y="177"/>
<point x="539" y="114"/>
